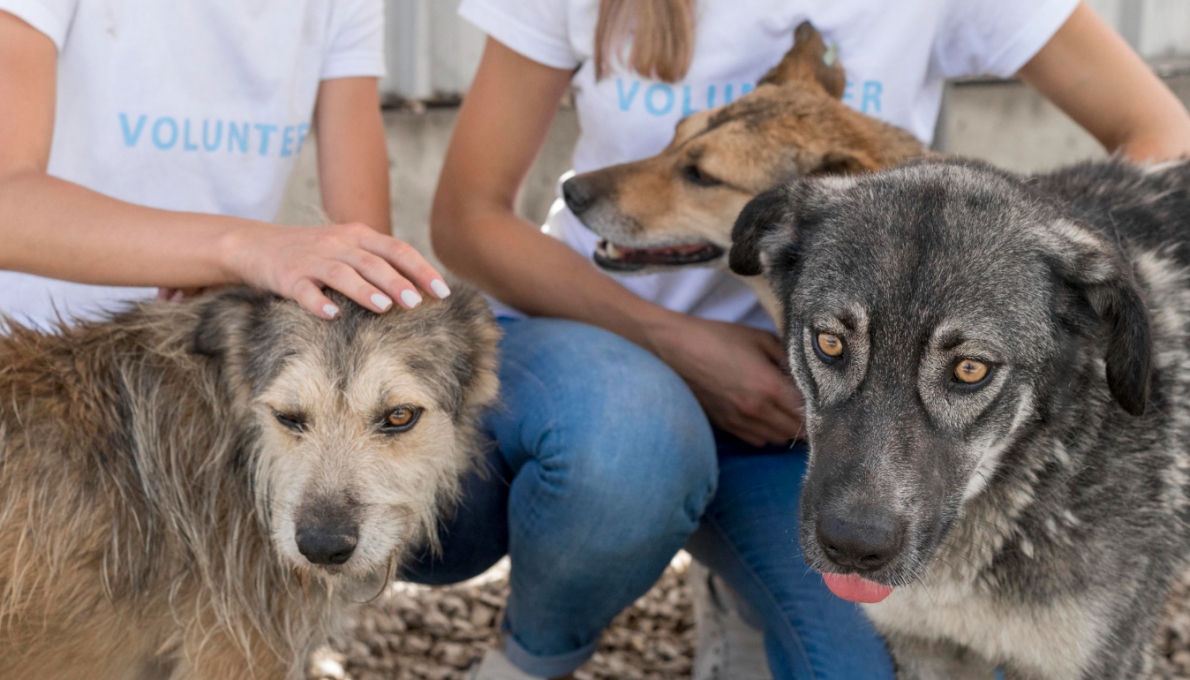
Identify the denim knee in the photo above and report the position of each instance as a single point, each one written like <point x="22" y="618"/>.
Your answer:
<point x="614" y="431"/>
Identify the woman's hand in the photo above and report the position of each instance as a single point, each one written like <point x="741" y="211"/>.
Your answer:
<point x="297" y="262"/>
<point x="737" y="374"/>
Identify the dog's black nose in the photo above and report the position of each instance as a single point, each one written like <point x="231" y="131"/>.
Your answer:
<point x="862" y="539"/>
<point x="578" y="194"/>
<point x="327" y="544"/>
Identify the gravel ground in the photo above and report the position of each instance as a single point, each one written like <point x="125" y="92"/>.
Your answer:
<point x="415" y="633"/>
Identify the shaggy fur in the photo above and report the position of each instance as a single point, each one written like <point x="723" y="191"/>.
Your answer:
<point x="1034" y="520"/>
<point x="152" y="478"/>
<point x="677" y="208"/>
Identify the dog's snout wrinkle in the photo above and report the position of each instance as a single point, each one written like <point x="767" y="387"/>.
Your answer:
<point x="865" y="540"/>
<point x="328" y="545"/>
<point x="579" y="194"/>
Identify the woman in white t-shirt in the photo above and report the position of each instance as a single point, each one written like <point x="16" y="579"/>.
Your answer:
<point x="146" y="144"/>
<point x="621" y="393"/>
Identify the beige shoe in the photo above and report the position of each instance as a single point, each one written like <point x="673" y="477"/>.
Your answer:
<point x="495" y="666"/>
<point x="728" y="648"/>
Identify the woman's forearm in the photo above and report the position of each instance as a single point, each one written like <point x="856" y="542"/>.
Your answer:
<point x="1091" y="73"/>
<point x="352" y="153"/>
<point x="54" y="228"/>
<point x="513" y="261"/>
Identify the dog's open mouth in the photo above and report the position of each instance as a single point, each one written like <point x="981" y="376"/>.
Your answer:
<point x="855" y="588"/>
<point x="621" y="258"/>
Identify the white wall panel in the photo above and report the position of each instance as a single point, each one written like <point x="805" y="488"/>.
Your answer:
<point x="1164" y="27"/>
<point x="431" y="52"/>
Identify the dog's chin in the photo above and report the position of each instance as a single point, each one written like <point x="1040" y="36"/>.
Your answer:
<point x="352" y="575"/>
<point x="363" y="567"/>
<point x="635" y="260"/>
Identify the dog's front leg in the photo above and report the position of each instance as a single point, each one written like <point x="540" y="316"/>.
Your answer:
<point x="919" y="659"/>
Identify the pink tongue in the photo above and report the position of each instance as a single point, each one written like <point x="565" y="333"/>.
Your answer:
<point x="856" y="589"/>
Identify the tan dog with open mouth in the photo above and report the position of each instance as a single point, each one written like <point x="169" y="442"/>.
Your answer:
<point x="677" y="208"/>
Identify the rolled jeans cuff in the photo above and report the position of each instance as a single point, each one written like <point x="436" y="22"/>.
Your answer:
<point x="546" y="666"/>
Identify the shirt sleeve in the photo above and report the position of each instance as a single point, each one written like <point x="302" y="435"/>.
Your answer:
<point x="996" y="37"/>
<point x="51" y="17"/>
<point x="356" y="46"/>
<point x="536" y="29"/>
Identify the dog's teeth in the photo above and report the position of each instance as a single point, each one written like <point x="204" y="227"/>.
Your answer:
<point x="611" y="250"/>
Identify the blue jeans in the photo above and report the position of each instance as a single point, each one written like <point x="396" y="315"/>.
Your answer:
<point x="604" y="466"/>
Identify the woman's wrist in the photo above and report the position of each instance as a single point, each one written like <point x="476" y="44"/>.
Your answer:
<point x="656" y="327"/>
<point x="233" y="250"/>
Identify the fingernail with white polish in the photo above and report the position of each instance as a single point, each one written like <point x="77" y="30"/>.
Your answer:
<point x="410" y="298"/>
<point x="382" y="302"/>
<point x="331" y="311"/>
<point x="439" y="287"/>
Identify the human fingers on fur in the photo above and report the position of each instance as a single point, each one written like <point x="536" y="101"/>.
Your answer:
<point x="380" y="273"/>
<point x="771" y="419"/>
<point x="783" y="405"/>
<point x="748" y="415"/>
<point x="410" y="263"/>
<point x="346" y="279"/>
<point x="772" y="346"/>
<point x="310" y="296"/>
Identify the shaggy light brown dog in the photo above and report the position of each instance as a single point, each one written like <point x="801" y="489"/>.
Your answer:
<point x="196" y="490"/>
<point x="677" y="208"/>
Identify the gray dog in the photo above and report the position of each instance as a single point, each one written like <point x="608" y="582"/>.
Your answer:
<point x="996" y="372"/>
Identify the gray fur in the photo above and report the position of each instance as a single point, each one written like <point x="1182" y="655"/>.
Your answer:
<point x="1040" y="517"/>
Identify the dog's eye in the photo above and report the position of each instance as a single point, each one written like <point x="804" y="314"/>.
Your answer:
<point x="971" y="372"/>
<point x="695" y="175"/>
<point x="829" y="347"/>
<point x="400" y="419"/>
<point x="291" y="421"/>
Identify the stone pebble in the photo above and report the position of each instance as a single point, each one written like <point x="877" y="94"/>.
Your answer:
<point x="416" y="633"/>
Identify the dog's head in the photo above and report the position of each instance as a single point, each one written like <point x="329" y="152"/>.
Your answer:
<point x="933" y="314"/>
<point x="363" y="425"/>
<point x="676" y="208"/>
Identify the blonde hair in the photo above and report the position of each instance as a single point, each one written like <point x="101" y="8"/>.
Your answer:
<point x="662" y="34"/>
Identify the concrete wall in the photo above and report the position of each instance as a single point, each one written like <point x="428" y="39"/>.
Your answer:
<point x="1009" y="124"/>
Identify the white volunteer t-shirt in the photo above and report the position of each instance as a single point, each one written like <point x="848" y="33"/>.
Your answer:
<point x="896" y="54"/>
<point x="189" y="105"/>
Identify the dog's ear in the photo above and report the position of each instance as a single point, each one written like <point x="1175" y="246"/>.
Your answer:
<point x="224" y="328"/>
<point x="225" y="317"/>
<point x="846" y="163"/>
<point x="481" y="382"/>
<point x="769" y="214"/>
<point x="1097" y="269"/>
<point x="809" y="61"/>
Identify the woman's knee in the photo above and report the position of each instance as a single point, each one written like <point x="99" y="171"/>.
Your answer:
<point x="626" y="436"/>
